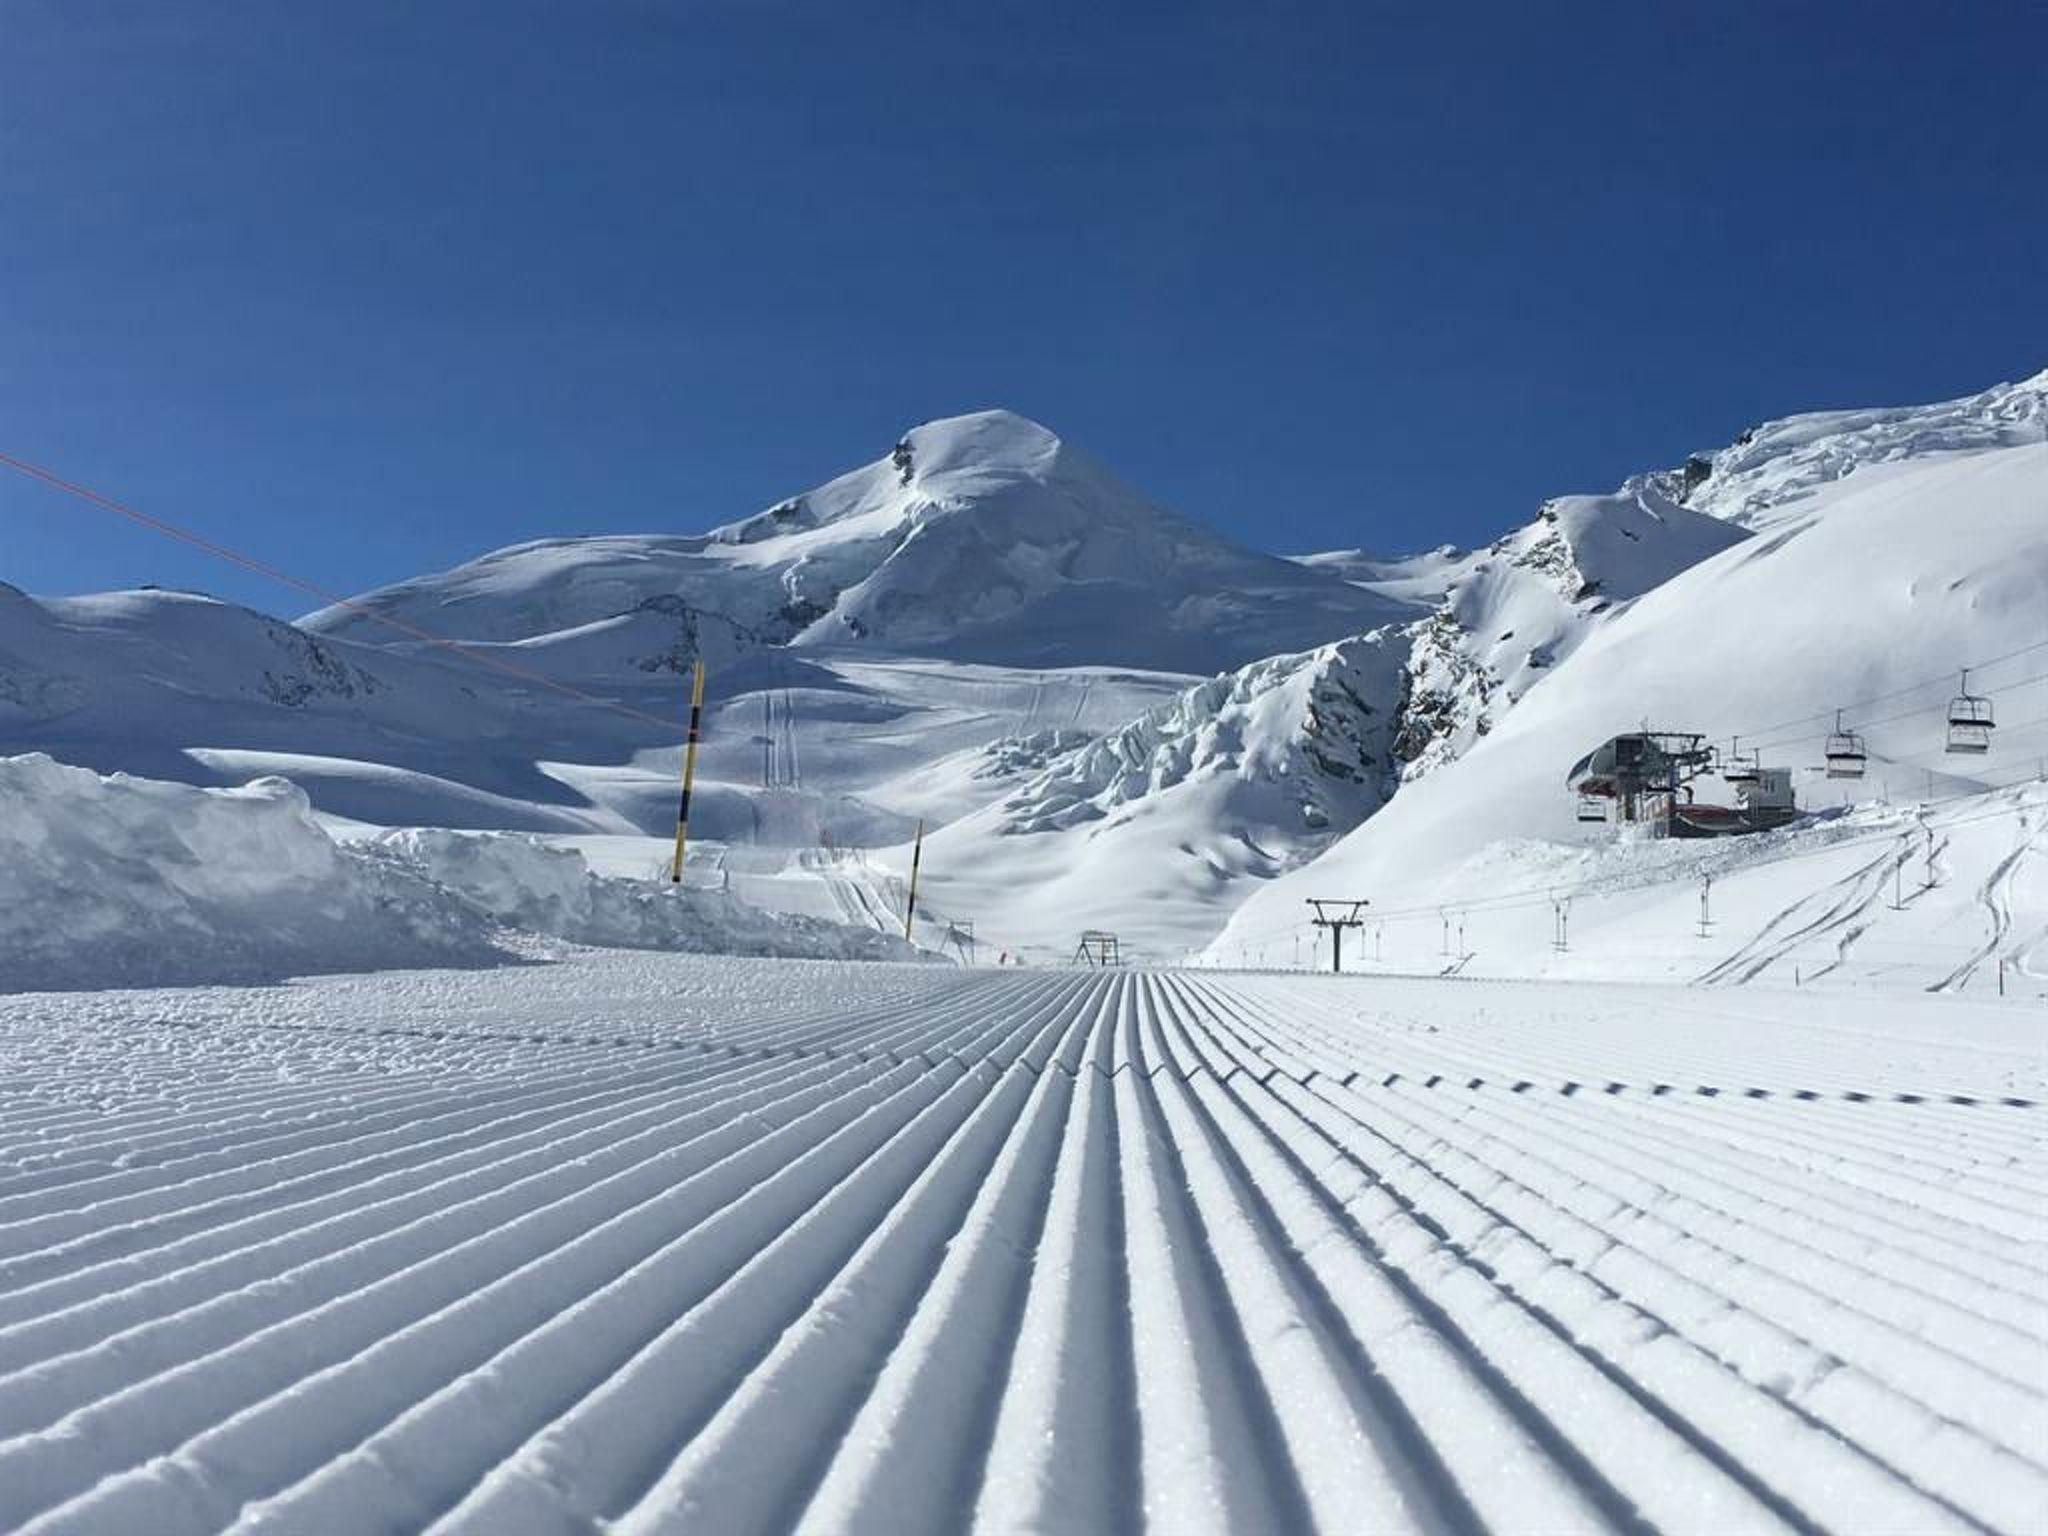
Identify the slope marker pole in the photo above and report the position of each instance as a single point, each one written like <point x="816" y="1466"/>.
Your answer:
<point x="675" y="874"/>
<point x="916" y="858"/>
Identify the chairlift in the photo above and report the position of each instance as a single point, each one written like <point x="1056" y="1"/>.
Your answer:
<point x="1592" y="808"/>
<point x="1970" y="721"/>
<point x="1737" y="769"/>
<point x="1845" y="754"/>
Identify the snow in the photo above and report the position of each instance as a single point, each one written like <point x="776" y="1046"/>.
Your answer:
<point x="533" y="887"/>
<point x="1145" y="829"/>
<point x="1946" y="555"/>
<point x="981" y="538"/>
<point x="990" y="694"/>
<point x="118" y="881"/>
<point x="1760" y="480"/>
<point x="1419" y="580"/>
<point x="1641" y="1185"/>
<point x="658" y="1243"/>
<point x="1516" y="611"/>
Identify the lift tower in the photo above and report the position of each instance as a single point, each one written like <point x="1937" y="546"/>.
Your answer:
<point x="1337" y="916"/>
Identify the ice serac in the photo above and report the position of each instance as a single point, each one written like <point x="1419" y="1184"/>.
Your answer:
<point x="1312" y="730"/>
<point x="1764" y="477"/>
<point x="981" y="538"/>
<point x="1155" y="828"/>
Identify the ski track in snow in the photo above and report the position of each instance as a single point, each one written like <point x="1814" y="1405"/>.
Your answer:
<point x="652" y="1243"/>
<point x="1995" y="895"/>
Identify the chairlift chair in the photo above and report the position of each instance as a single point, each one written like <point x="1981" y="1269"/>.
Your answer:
<point x="1970" y="721"/>
<point x="1592" y="808"/>
<point x="1737" y="769"/>
<point x="1845" y="754"/>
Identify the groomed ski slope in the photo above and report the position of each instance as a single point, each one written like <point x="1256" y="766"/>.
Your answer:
<point x="656" y="1243"/>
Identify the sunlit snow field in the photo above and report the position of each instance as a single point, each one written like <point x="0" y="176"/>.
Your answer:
<point x="664" y="1243"/>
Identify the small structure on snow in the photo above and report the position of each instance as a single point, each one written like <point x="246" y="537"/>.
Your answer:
<point x="1645" y="777"/>
<point x="1098" y="948"/>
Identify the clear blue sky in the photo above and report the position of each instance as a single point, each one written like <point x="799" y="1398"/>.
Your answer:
<point x="370" y="287"/>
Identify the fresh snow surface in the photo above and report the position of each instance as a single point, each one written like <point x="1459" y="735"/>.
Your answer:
<point x="649" y="1243"/>
<point x="120" y="881"/>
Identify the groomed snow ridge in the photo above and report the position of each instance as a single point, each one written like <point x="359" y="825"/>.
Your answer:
<point x="653" y="1243"/>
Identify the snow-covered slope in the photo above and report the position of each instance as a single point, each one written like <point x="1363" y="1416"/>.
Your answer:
<point x="982" y="538"/>
<point x="1517" y="610"/>
<point x="1254" y="772"/>
<point x="178" y="686"/>
<point x="1761" y="478"/>
<point x="1155" y="830"/>
<point x="1235" y="783"/>
<point x="1421" y="581"/>
<point x="868" y="646"/>
<point x="1866" y="589"/>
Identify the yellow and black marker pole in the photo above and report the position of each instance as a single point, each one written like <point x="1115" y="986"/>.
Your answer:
<point x="916" y="858"/>
<point x="675" y="874"/>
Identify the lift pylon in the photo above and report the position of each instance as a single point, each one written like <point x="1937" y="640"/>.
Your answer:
<point x="1337" y="916"/>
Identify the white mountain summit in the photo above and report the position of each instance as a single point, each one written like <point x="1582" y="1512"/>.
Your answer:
<point x="979" y="538"/>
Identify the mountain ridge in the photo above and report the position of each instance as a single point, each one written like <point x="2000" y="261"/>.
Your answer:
<point x="977" y="538"/>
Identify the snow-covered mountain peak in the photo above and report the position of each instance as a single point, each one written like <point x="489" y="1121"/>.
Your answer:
<point x="981" y="537"/>
<point x="995" y="443"/>
<point x="952" y="463"/>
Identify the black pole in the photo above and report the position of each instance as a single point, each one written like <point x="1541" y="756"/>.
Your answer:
<point x="689" y="774"/>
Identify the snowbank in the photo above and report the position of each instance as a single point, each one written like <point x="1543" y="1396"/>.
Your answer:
<point x="539" y="888"/>
<point x="131" y="882"/>
<point x="121" y="881"/>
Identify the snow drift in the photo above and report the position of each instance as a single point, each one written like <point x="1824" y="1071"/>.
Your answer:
<point x="120" y="881"/>
<point x="534" y="887"/>
<point x="128" y="882"/>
